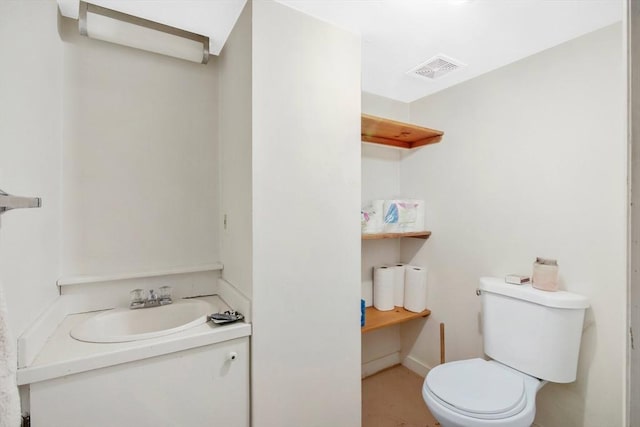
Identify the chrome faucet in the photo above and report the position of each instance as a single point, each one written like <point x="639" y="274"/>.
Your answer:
<point x="143" y="299"/>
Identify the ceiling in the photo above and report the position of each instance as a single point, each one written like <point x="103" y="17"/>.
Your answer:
<point x="398" y="35"/>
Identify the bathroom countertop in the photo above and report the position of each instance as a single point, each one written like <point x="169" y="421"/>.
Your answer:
<point x="63" y="355"/>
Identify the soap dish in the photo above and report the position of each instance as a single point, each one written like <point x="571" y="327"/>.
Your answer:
<point x="228" y="316"/>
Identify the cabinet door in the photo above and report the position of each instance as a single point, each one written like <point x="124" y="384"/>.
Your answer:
<point x="198" y="387"/>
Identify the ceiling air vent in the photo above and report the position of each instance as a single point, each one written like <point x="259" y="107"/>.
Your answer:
<point x="436" y="67"/>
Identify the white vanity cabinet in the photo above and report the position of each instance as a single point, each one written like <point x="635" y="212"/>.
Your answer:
<point x="203" y="386"/>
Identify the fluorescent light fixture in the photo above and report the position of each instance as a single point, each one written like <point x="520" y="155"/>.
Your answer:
<point x="112" y="26"/>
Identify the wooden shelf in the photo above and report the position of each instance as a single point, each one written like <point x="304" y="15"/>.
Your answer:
<point x="375" y="319"/>
<point x="397" y="134"/>
<point x="414" y="234"/>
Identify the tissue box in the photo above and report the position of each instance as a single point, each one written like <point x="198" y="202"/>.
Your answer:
<point x="516" y="279"/>
<point x="371" y="219"/>
<point x="403" y="215"/>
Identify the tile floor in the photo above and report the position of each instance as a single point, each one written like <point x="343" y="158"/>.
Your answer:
<point x="393" y="398"/>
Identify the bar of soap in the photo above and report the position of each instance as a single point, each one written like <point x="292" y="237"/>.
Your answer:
<point x="517" y="279"/>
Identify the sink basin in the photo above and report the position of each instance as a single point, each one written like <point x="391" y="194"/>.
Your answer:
<point x="123" y="324"/>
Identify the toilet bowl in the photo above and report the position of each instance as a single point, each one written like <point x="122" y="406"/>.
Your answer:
<point x="480" y="393"/>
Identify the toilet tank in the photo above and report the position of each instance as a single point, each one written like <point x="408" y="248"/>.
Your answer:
<point x="536" y="332"/>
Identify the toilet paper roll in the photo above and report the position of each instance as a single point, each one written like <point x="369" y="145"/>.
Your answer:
<point x="398" y="283"/>
<point x="383" y="287"/>
<point x="415" y="288"/>
<point x="373" y="217"/>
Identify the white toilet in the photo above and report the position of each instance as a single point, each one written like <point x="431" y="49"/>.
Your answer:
<point x="532" y="336"/>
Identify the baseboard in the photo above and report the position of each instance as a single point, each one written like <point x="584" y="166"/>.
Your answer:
<point x="90" y="280"/>
<point x="416" y="366"/>
<point x="105" y="295"/>
<point x="377" y="365"/>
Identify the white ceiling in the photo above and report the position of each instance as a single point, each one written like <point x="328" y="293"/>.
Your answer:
<point x="398" y="35"/>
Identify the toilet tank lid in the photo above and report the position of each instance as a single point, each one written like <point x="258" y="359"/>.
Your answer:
<point x="558" y="299"/>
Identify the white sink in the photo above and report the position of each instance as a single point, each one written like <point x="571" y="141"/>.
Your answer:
<point x="123" y="324"/>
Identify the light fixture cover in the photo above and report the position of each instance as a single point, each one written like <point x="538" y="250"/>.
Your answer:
<point x="436" y="67"/>
<point x="117" y="27"/>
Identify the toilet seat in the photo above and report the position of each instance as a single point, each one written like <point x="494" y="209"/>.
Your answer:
<point x="477" y="388"/>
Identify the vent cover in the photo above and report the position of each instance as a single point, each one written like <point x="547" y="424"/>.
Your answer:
<point x="436" y="67"/>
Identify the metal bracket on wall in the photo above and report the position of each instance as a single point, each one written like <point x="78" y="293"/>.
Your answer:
<point x="9" y="202"/>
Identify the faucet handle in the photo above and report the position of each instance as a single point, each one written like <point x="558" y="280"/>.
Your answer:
<point x="137" y="297"/>
<point x="165" y="295"/>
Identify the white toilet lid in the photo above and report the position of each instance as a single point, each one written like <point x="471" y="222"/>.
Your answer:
<point x="478" y="388"/>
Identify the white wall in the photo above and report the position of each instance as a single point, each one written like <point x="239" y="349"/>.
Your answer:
<point x="381" y="163"/>
<point x="139" y="164"/>
<point x="380" y="180"/>
<point x="306" y="238"/>
<point x="30" y="147"/>
<point x="633" y="39"/>
<point x="533" y="163"/>
<point x="138" y="132"/>
<point x="234" y="67"/>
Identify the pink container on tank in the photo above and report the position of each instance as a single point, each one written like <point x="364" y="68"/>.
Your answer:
<point x="545" y="274"/>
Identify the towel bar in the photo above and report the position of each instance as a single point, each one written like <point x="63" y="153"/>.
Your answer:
<point x="8" y="202"/>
